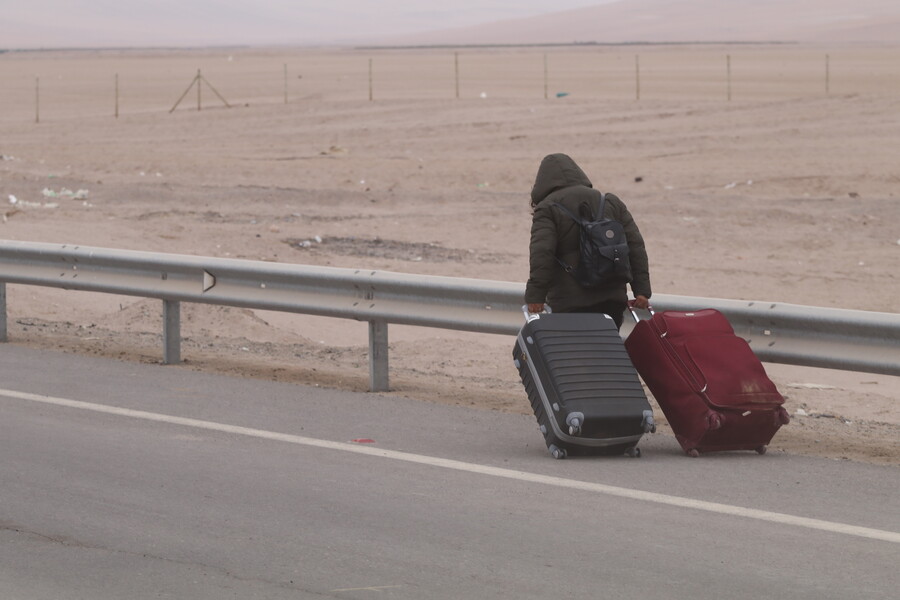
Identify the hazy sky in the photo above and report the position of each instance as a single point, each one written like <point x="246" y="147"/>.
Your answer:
<point x="105" y="23"/>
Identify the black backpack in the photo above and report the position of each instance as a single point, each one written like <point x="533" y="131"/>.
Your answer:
<point x="603" y="250"/>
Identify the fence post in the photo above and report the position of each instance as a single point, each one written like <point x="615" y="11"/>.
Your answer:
<point x="117" y="95"/>
<point x="285" y="84"/>
<point x="456" y="68"/>
<point x="728" y="70"/>
<point x="37" y="99"/>
<point x="637" y="77"/>
<point x="171" y="332"/>
<point x="193" y="81"/>
<point x="3" y="336"/>
<point x="378" y="356"/>
<point x="546" y="84"/>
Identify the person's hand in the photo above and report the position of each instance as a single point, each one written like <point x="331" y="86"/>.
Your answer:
<point x="536" y="308"/>
<point x="641" y="302"/>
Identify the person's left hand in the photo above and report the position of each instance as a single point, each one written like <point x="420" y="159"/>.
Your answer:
<point x="536" y="308"/>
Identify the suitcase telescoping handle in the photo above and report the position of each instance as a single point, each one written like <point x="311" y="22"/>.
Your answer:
<point x="634" y="310"/>
<point x="530" y="316"/>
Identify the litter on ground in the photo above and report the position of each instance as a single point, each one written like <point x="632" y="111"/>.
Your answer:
<point x="65" y="193"/>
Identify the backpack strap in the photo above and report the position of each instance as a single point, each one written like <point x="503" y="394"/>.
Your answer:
<point x="568" y="268"/>
<point x="602" y="206"/>
<point x="578" y="220"/>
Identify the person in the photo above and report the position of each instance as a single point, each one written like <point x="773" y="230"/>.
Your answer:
<point x="555" y="238"/>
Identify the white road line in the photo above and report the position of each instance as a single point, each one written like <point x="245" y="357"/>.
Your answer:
<point x="432" y="461"/>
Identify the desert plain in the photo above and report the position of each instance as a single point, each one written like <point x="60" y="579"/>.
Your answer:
<point x="762" y="172"/>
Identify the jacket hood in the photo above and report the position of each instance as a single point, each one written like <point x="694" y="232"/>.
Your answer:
<point x="557" y="171"/>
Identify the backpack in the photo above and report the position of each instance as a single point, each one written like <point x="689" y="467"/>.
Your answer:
<point x="603" y="248"/>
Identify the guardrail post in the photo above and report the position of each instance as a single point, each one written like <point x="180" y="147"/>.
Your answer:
<point x="171" y="332"/>
<point x="378" y="356"/>
<point x="3" y="337"/>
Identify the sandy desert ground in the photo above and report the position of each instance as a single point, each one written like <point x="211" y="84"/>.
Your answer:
<point x="786" y="192"/>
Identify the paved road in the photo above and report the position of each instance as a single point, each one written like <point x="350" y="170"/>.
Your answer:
<point x="128" y="481"/>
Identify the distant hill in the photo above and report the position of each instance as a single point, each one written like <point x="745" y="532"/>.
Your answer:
<point x="689" y="21"/>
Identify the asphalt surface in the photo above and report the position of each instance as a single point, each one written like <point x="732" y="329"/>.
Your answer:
<point x="132" y="481"/>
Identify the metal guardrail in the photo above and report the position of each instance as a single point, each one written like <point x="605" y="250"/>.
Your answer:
<point x="783" y="333"/>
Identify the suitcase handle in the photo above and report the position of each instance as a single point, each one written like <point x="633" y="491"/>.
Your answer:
<point x="633" y="311"/>
<point x="529" y="317"/>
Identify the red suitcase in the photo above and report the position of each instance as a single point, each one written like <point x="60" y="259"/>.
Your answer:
<point x="708" y="382"/>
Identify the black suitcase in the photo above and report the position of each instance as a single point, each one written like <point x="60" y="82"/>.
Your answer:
<point x="585" y="392"/>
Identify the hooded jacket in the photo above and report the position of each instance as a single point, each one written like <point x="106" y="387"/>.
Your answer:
<point x="555" y="235"/>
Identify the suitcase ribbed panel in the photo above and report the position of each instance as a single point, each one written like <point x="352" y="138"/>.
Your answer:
<point x="590" y="365"/>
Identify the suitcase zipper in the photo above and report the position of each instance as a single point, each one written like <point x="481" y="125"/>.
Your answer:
<point x="676" y="358"/>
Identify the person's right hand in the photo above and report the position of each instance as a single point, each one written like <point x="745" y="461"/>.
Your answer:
<point x="641" y="302"/>
<point x="536" y="308"/>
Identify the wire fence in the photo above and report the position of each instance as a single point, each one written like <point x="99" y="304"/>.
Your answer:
<point x="39" y="86"/>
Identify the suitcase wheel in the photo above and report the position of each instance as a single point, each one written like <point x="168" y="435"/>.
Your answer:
<point x="693" y="453"/>
<point x="574" y="421"/>
<point x="715" y="421"/>
<point x="648" y="424"/>
<point x="782" y="417"/>
<point x="556" y="452"/>
<point x="761" y="450"/>
<point x="633" y="452"/>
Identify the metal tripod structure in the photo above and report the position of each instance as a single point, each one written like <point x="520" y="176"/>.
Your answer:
<point x="198" y="79"/>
